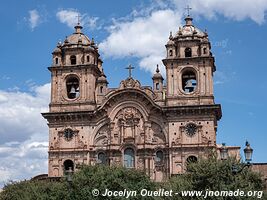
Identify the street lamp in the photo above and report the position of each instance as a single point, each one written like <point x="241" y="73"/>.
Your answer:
<point x="223" y="152"/>
<point x="248" y="153"/>
<point x="248" y="157"/>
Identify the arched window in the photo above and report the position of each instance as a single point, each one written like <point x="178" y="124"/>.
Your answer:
<point x="73" y="89"/>
<point x="73" y="60"/>
<point x="101" y="158"/>
<point x="204" y="50"/>
<point x="191" y="159"/>
<point x="188" y="52"/>
<point x="68" y="165"/>
<point x="170" y="53"/>
<point x="129" y="158"/>
<point x="101" y="90"/>
<point x="56" y="61"/>
<point x="189" y="81"/>
<point x="157" y="86"/>
<point x="88" y="58"/>
<point x="159" y="157"/>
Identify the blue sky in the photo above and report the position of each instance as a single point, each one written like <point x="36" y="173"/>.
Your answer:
<point x="127" y="32"/>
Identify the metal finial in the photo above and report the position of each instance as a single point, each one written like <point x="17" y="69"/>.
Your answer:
<point x="130" y="68"/>
<point x="79" y="19"/>
<point x="170" y="37"/>
<point x="188" y="10"/>
<point x="157" y="70"/>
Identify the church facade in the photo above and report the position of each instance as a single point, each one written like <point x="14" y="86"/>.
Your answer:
<point x="157" y="129"/>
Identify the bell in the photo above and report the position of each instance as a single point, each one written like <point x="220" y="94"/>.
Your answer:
<point x="190" y="86"/>
<point x="72" y="91"/>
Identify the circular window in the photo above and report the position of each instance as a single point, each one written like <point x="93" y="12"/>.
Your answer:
<point x="191" y="129"/>
<point x="68" y="134"/>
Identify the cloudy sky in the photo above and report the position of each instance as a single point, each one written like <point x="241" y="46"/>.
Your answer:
<point x="127" y="32"/>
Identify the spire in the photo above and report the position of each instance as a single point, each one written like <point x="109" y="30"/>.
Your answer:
<point x="170" y="37"/>
<point x="78" y="27"/>
<point x="157" y="70"/>
<point x="188" y="19"/>
<point x="157" y="75"/>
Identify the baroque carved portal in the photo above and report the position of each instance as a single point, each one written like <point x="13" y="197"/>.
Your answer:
<point x="129" y="122"/>
<point x="129" y="126"/>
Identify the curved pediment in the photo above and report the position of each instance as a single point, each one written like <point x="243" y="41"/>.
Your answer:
<point x="132" y="95"/>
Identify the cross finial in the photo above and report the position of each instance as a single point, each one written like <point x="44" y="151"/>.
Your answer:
<point x="188" y="10"/>
<point x="79" y="18"/>
<point x="130" y="68"/>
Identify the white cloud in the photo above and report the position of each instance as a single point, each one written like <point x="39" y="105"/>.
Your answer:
<point x="144" y="32"/>
<point x="232" y="9"/>
<point x="34" y="19"/>
<point x="70" y="18"/>
<point x="20" y="113"/>
<point x="23" y="133"/>
<point x="143" y="37"/>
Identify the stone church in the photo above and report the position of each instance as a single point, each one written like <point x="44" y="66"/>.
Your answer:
<point x="157" y="129"/>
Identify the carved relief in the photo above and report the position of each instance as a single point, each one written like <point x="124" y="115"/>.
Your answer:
<point x="128" y="124"/>
<point x="130" y="83"/>
<point x="101" y="138"/>
<point x="158" y="135"/>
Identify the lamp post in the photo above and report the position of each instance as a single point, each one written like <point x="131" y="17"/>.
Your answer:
<point x="248" y="153"/>
<point x="248" y="157"/>
<point x="224" y="152"/>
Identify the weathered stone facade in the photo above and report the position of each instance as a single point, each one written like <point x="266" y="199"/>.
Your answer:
<point x="156" y="129"/>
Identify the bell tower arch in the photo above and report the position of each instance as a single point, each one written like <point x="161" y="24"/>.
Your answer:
<point x="189" y="67"/>
<point x="75" y="73"/>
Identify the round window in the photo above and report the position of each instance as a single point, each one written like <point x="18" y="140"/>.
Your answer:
<point x="191" y="129"/>
<point x="68" y="134"/>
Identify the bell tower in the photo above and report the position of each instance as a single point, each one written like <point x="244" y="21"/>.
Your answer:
<point x="189" y="67"/>
<point x="74" y="73"/>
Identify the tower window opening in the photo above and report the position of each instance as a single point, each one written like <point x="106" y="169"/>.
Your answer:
<point x="56" y="61"/>
<point x="188" y="52"/>
<point x="88" y="58"/>
<point x="157" y="86"/>
<point x="73" y="60"/>
<point x="73" y="90"/>
<point x="189" y="82"/>
<point x="101" y="89"/>
<point x="205" y="50"/>
<point x="170" y="53"/>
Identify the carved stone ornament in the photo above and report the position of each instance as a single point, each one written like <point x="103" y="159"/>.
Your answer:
<point x="130" y="83"/>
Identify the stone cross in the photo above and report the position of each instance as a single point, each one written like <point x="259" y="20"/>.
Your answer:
<point x="79" y="18"/>
<point x="188" y="10"/>
<point x="130" y="68"/>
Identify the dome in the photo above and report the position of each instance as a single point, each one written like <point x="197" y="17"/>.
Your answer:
<point x="78" y="37"/>
<point x="157" y="75"/>
<point x="102" y="78"/>
<point x="57" y="50"/>
<point x="189" y="29"/>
